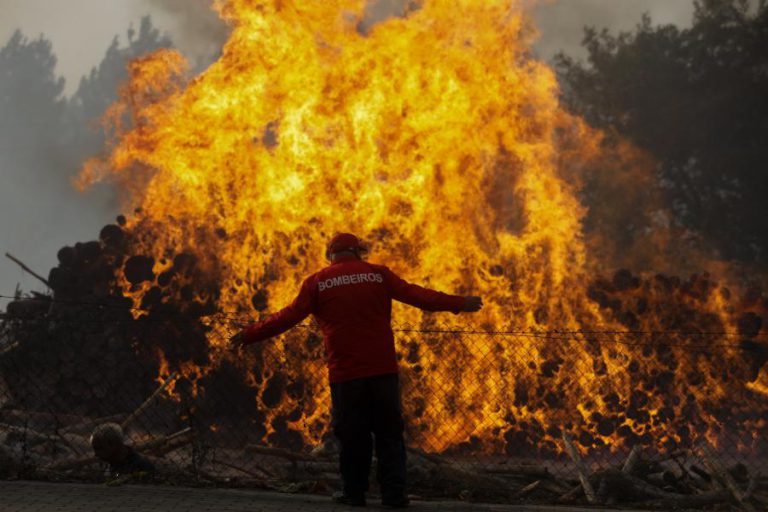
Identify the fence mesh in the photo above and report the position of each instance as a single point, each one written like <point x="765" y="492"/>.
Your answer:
<point x="670" y="418"/>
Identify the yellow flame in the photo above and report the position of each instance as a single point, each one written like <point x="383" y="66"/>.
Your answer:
<point x="436" y="137"/>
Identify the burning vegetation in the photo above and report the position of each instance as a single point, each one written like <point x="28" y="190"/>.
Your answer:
<point x="439" y="139"/>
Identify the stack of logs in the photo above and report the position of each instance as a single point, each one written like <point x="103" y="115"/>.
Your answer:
<point x="696" y="480"/>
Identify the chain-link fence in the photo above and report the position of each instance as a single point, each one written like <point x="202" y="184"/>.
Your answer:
<point x="659" y="418"/>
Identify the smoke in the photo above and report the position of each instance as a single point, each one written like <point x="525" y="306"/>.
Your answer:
<point x="561" y="24"/>
<point x="195" y="26"/>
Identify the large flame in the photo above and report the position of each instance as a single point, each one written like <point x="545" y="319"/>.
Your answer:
<point x="436" y="137"/>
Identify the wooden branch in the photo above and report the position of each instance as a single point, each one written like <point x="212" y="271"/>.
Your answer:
<point x="135" y="414"/>
<point x="39" y="416"/>
<point x="158" y="447"/>
<point x="693" y="501"/>
<point x="687" y="474"/>
<point x="528" y="470"/>
<point x="424" y="455"/>
<point x="9" y="348"/>
<point x="751" y="486"/>
<point x="264" y="473"/>
<point x="89" y="424"/>
<point x="589" y="492"/>
<point x="631" y="461"/>
<point x="279" y="452"/>
<point x="716" y="467"/>
<point x="618" y="485"/>
<point x="40" y="436"/>
<point x="27" y="269"/>
<point x="316" y="466"/>
<point x="163" y="445"/>
<point x="526" y="490"/>
<point x="570" y="495"/>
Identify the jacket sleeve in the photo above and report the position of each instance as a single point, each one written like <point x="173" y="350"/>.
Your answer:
<point x="420" y="297"/>
<point x="284" y="319"/>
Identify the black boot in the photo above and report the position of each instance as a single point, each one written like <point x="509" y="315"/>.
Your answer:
<point x="351" y="500"/>
<point x="395" y="501"/>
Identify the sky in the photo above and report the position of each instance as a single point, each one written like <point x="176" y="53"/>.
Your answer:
<point x="82" y="30"/>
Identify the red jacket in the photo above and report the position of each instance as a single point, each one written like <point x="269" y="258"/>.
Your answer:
<point x="352" y="301"/>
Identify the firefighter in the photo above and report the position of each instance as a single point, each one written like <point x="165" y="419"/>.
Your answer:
<point x="351" y="300"/>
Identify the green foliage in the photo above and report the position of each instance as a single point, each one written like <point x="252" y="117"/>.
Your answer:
<point x="697" y="99"/>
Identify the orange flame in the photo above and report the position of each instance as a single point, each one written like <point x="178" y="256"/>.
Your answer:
<point x="437" y="137"/>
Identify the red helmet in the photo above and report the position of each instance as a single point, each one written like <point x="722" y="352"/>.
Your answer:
<point x="345" y="242"/>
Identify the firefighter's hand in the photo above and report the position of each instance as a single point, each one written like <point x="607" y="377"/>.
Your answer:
<point x="236" y="341"/>
<point x="472" y="303"/>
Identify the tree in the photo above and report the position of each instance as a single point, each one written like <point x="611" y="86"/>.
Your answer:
<point x="99" y="89"/>
<point x="31" y="104"/>
<point x="695" y="99"/>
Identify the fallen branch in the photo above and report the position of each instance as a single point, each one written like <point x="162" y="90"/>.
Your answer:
<point x="618" y="485"/>
<point x="589" y="492"/>
<point x="694" y="501"/>
<point x="526" y="490"/>
<point x="164" y="445"/>
<point x="631" y="461"/>
<point x="135" y="414"/>
<point x="279" y="452"/>
<point x="27" y="269"/>
<point x="264" y="473"/>
<point x="39" y="436"/>
<point x="91" y="423"/>
<point x="9" y="348"/>
<point x="157" y="447"/>
<point x="528" y="470"/>
<point x="316" y="466"/>
<point x="722" y="474"/>
<point x="424" y="455"/>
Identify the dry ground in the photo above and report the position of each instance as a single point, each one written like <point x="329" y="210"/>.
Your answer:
<point x="23" y="496"/>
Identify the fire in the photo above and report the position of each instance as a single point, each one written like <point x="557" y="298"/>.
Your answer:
<point x="437" y="138"/>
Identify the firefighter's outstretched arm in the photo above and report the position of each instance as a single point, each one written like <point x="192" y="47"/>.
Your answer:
<point x="276" y="324"/>
<point x="429" y="300"/>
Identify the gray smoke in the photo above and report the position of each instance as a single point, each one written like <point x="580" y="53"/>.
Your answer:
<point x="562" y="23"/>
<point x="39" y="212"/>
<point x="195" y="27"/>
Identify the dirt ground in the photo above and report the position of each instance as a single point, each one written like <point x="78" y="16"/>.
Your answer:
<point x="21" y="496"/>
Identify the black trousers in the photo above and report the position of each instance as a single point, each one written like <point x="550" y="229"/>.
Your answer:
<point x="366" y="413"/>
